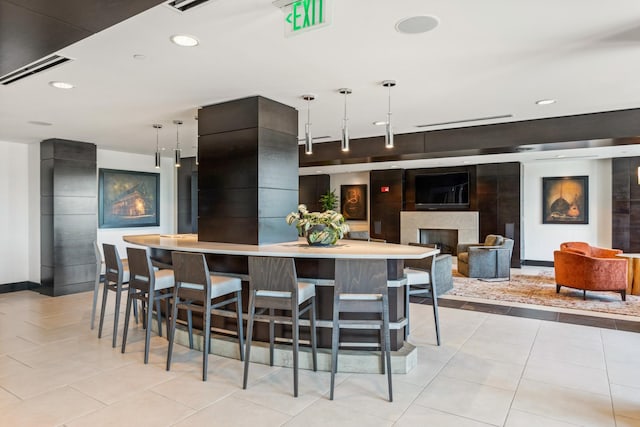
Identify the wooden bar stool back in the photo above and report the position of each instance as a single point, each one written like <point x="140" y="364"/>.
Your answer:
<point x="116" y="278"/>
<point x="274" y="286"/>
<point x="150" y="287"/>
<point x="361" y="287"/>
<point x="195" y="289"/>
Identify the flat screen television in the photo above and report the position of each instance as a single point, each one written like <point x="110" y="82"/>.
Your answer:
<point x="442" y="190"/>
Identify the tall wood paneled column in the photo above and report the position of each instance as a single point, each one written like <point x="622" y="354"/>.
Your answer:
<point x="248" y="171"/>
<point x="68" y="216"/>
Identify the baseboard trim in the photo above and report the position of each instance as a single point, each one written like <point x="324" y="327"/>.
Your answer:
<point x="18" y="286"/>
<point x="535" y="263"/>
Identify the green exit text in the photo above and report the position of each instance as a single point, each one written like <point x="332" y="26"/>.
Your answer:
<point x="306" y="14"/>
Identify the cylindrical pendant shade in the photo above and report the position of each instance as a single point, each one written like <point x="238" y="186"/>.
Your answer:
<point x="157" y="160"/>
<point x="177" y="153"/>
<point x="308" y="141"/>
<point x="388" y="136"/>
<point x="345" y="138"/>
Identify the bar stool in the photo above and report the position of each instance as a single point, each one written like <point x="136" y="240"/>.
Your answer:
<point x="195" y="289"/>
<point x="274" y="286"/>
<point x="146" y="285"/>
<point x="421" y="281"/>
<point x="361" y="287"/>
<point x="116" y="277"/>
<point x="96" y="288"/>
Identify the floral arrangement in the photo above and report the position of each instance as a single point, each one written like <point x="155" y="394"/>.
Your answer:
<point x="324" y="228"/>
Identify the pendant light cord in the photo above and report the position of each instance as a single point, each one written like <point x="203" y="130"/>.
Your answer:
<point x="389" y="112"/>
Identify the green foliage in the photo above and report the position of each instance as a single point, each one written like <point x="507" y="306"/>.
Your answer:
<point x="329" y="201"/>
<point x="333" y="221"/>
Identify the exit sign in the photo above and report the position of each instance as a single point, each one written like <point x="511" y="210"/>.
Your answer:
<point x="304" y="15"/>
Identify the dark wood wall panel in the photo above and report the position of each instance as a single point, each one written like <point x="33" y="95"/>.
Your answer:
<point x="498" y="193"/>
<point x="248" y="172"/>
<point x="611" y="127"/>
<point x="494" y="191"/>
<point x="625" y="193"/>
<point x="386" y="206"/>
<point x="311" y="188"/>
<point x="68" y="200"/>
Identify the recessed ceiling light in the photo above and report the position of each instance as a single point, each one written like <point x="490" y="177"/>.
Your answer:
<point x="416" y="24"/>
<point x="39" y="123"/>
<point x="380" y="123"/>
<point x="61" y="85"/>
<point x="318" y="171"/>
<point x="184" y="40"/>
<point x="546" y="101"/>
<point x="394" y="166"/>
<point x="560" y="156"/>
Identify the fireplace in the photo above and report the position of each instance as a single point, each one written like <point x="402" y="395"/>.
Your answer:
<point x="445" y="240"/>
<point x="443" y="228"/>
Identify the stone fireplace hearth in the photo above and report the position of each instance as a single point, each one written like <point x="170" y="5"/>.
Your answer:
<point x="444" y="227"/>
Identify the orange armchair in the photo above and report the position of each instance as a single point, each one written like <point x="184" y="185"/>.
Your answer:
<point x="581" y="266"/>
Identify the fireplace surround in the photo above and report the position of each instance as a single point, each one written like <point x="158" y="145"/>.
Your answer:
<point x="444" y="227"/>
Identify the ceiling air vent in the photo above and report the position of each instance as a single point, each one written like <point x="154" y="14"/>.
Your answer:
<point x="32" y="69"/>
<point x="184" y="5"/>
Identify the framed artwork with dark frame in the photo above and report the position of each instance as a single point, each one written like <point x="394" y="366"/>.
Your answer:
<point x="353" y="201"/>
<point x="565" y="200"/>
<point x="128" y="199"/>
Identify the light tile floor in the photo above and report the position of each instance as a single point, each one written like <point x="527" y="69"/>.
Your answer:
<point x="490" y="370"/>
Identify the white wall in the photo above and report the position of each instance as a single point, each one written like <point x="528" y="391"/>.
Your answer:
<point x="20" y="206"/>
<point x="336" y="180"/>
<point x="14" y="212"/>
<point x="540" y="240"/>
<point x="142" y="163"/>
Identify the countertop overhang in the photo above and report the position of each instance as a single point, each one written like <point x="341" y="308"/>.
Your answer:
<point x="297" y="249"/>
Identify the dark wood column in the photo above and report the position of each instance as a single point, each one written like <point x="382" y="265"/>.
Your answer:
<point x="68" y="216"/>
<point x="248" y="172"/>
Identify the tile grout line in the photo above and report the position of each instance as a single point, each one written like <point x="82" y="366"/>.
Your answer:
<point x="413" y="402"/>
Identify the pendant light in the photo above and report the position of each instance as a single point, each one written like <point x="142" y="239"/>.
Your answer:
<point x="157" y="127"/>
<point x="308" y="141"/>
<point x="345" y="128"/>
<point x="177" y="152"/>
<point x="388" y="135"/>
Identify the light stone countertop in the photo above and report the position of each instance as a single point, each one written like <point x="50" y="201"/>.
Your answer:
<point x="297" y="249"/>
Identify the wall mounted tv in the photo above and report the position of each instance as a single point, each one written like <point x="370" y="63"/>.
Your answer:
<point x="442" y="190"/>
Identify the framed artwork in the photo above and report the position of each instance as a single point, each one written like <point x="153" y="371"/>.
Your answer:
<point x="353" y="200"/>
<point x="565" y="200"/>
<point x="128" y="199"/>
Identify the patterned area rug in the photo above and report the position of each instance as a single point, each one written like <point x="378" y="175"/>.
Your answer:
<point x="541" y="290"/>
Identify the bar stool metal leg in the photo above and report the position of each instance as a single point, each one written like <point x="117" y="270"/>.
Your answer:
<point x="247" y="355"/>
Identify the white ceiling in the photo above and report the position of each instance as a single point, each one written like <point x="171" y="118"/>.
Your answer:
<point x="487" y="58"/>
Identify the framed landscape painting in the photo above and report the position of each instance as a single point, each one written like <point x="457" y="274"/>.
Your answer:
<point x="128" y="199"/>
<point x="565" y="200"/>
<point x="353" y="199"/>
